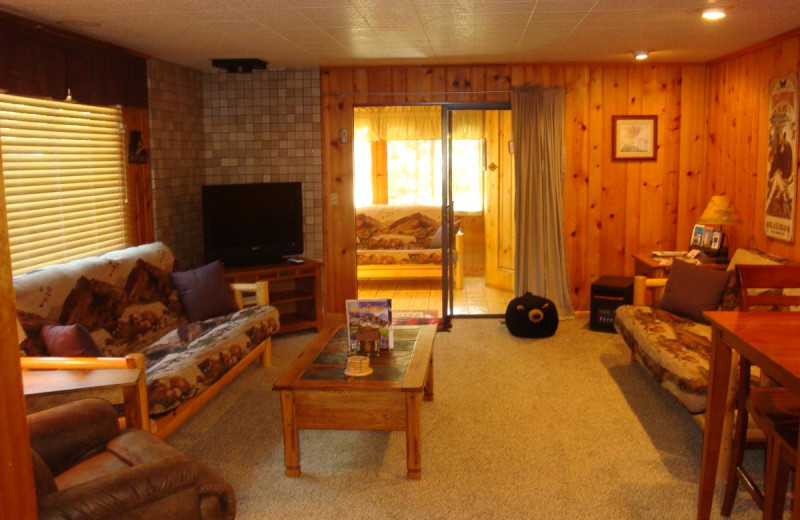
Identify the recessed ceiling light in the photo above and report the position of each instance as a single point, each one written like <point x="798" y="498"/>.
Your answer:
<point x="640" y="55"/>
<point x="78" y="24"/>
<point x="715" y="13"/>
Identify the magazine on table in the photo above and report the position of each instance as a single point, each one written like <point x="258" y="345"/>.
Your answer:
<point x="363" y="315"/>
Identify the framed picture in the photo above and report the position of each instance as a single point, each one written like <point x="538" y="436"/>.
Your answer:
<point x="634" y="138"/>
<point x="708" y="236"/>
<point x="716" y="238"/>
<point x="136" y="151"/>
<point x="697" y="237"/>
<point x="782" y="172"/>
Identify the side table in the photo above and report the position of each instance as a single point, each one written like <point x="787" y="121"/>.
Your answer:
<point x="648" y="265"/>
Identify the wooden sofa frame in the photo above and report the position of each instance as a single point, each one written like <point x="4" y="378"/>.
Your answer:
<point x="416" y="271"/>
<point x="136" y="403"/>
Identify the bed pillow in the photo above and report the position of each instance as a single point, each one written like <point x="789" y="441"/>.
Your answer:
<point x="692" y="289"/>
<point x="436" y="241"/>
<point x="204" y="292"/>
<point x="69" y="341"/>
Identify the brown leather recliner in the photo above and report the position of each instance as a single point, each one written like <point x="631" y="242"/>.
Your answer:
<point x="85" y="468"/>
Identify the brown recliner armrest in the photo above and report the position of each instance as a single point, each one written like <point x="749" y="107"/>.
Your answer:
<point x="175" y="487"/>
<point x="64" y="435"/>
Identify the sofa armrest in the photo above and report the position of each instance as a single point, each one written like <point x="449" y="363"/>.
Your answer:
<point x="640" y="286"/>
<point x="142" y="486"/>
<point x="137" y="411"/>
<point x="64" y="435"/>
<point x="259" y="288"/>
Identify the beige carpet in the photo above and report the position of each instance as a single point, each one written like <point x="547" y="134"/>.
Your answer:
<point x="562" y="428"/>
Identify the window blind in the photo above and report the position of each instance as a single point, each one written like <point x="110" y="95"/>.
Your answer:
<point x="64" y="173"/>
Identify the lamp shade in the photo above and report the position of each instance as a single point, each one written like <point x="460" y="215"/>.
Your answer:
<point x="719" y="212"/>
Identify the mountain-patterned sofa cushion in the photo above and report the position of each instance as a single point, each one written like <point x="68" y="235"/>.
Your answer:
<point x="125" y="299"/>
<point x="390" y="234"/>
<point x="675" y="350"/>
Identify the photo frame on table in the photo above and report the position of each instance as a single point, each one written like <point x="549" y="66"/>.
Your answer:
<point x="697" y="237"/>
<point x="716" y="240"/>
<point x="634" y="138"/>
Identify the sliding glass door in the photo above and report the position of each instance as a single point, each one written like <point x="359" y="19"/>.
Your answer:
<point x="477" y="195"/>
<point x="419" y="166"/>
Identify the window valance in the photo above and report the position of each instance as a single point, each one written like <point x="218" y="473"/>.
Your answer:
<point x="402" y="123"/>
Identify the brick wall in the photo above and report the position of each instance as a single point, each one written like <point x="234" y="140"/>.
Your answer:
<point x="176" y="141"/>
<point x="265" y="127"/>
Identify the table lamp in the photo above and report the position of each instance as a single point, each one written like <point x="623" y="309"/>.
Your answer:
<point x="720" y="212"/>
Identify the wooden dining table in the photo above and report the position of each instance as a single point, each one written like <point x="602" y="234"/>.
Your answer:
<point x="770" y="340"/>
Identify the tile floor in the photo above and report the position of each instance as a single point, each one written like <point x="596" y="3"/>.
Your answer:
<point x="407" y="295"/>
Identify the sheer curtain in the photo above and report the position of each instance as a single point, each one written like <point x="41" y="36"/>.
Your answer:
<point x="540" y="160"/>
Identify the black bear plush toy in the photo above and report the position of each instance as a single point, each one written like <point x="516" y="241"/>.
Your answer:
<point x="530" y="316"/>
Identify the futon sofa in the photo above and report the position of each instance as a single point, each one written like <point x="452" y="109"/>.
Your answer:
<point x="86" y="468"/>
<point x="402" y="242"/>
<point x="128" y="303"/>
<point x="674" y="349"/>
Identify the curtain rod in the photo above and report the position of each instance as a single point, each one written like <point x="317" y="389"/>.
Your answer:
<point x="421" y="93"/>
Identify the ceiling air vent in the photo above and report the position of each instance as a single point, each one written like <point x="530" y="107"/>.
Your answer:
<point x="240" y="65"/>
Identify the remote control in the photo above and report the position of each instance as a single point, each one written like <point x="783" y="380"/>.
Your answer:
<point x="295" y="260"/>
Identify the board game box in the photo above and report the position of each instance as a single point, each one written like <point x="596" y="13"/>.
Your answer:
<point x="370" y="314"/>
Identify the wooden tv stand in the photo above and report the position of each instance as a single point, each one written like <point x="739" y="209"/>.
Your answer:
<point x="293" y="288"/>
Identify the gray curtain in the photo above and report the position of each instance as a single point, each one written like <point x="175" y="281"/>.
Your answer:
<point x="540" y="163"/>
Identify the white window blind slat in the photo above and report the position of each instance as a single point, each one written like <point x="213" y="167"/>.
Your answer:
<point x="36" y="204"/>
<point x="68" y="180"/>
<point x="44" y="164"/>
<point x="76" y="238"/>
<point x="64" y="174"/>
<point x="33" y="129"/>
<point x="54" y="223"/>
<point x="63" y="254"/>
<point x="47" y="103"/>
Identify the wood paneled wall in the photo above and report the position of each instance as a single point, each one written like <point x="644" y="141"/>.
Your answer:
<point x="738" y="139"/>
<point x="612" y="209"/>
<point x="42" y="61"/>
<point x="140" y="182"/>
<point x="17" y="493"/>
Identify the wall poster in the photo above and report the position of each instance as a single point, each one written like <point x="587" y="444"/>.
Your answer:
<point x="782" y="166"/>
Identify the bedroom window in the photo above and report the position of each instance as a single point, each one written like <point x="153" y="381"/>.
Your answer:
<point x="414" y="173"/>
<point x="398" y="157"/>
<point x="64" y="176"/>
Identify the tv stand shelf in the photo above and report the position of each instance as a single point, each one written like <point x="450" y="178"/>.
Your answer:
<point x="293" y="288"/>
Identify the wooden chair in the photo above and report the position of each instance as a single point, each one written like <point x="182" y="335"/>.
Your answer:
<point x="783" y="456"/>
<point x="768" y="406"/>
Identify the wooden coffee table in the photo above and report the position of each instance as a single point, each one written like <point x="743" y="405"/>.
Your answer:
<point x="317" y="395"/>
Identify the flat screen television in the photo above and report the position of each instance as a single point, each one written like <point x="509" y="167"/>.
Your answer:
<point x="247" y="224"/>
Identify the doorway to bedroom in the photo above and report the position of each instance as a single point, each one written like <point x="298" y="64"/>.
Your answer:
<point x="410" y="177"/>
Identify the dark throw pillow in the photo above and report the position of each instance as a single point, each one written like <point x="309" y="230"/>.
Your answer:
<point x="204" y="292"/>
<point x="692" y="289"/>
<point x="69" y="341"/>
